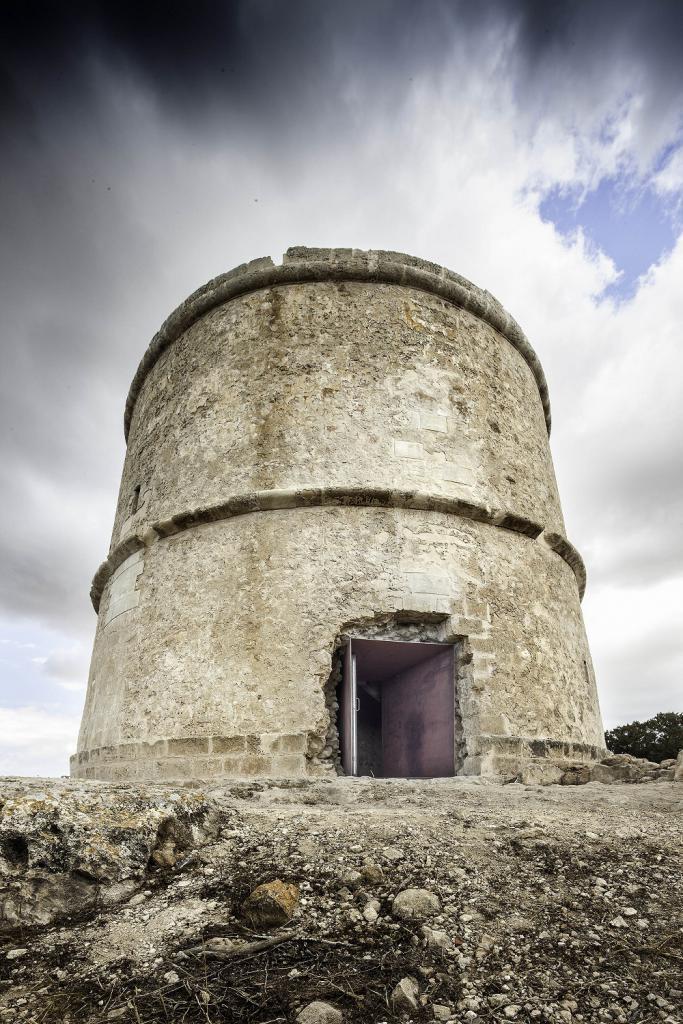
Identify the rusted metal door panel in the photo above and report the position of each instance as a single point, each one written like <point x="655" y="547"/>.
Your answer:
<point x="347" y="711"/>
<point x="418" y="720"/>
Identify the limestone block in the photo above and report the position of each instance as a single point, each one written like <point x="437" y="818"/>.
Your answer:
<point x="408" y="450"/>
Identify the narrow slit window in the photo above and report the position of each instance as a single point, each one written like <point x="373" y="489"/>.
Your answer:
<point x="135" y="500"/>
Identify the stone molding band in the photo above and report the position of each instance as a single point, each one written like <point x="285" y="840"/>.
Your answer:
<point x="282" y="750"/>
<point x="302" y="265"/>
<point x="317" y="497"/>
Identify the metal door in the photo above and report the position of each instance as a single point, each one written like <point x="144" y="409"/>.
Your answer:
<point x="418" y="720"/>
<point x="348" y="706"/>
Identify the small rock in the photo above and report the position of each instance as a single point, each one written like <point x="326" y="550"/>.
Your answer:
<point x="415" y="904"/>
<point x="171" y="978"/>
<point x="370" y="914"/>
<point x="520" y="924"/>
<point x="498" y="999"/>
<point x="372" y="873"/>
<point x="392" y="854"/>
<point x="618" y="922"/>
<point x="441" y="1012"/>
<point x="350" y="878"/>
<point x="271" y="904"/>
<point x="14" y="954"/>
<point x="630" y="912"/>
<point x="511" y="1011"/>
<point x="319" y="1013"/>
<point x="436" y="939"/>
<point x="404" y="996"/>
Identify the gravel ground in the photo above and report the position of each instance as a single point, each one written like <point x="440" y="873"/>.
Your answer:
<point x="545" y="903"/>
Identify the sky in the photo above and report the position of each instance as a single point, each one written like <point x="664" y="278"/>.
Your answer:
<point x="534" y="147"/>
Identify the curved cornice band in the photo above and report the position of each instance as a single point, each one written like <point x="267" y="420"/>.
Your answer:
<point x="302" y="265"/>
<point x="356" y="497"/>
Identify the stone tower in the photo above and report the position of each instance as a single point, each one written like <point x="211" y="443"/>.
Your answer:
<point x="338" y="544"/>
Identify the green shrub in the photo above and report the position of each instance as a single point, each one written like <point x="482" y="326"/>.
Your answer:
<point x="657" y="739"/>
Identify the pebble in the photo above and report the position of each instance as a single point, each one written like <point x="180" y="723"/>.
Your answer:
<point x="319" y="1013"/>
<point x="404" y="996"/>
<point x="441" y="1012"/>
<point x="370" y="914"/>
<point x="436" y="939"/>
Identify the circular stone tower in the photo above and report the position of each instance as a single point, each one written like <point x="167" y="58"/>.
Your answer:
<point x="349" y="447"/>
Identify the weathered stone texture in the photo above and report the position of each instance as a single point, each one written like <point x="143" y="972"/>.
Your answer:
<point x="338" y="384"/>
<point x="318" y="455"/>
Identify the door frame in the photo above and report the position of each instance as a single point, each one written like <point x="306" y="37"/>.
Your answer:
<point x="349" y="704"/>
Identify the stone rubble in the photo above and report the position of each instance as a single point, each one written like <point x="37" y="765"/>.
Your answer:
<point x="622" y="768"/>
<point x="548" y="904"/>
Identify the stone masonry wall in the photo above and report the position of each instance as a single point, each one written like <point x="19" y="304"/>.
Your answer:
<point x="338" y="384"/>
<point x="226" y="654"/>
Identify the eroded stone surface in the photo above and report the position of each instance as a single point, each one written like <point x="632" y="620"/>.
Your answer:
<point x="67" y="847"/>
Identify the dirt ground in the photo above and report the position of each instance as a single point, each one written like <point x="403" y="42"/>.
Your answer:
<point x="550" y="903"/>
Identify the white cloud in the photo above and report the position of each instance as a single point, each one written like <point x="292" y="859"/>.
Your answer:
<point x="36" y="741"/>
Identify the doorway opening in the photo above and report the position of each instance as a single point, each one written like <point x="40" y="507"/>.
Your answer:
<point x="397" y="709"/>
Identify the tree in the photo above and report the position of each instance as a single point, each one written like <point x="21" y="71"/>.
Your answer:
<point x="657" y="739"/>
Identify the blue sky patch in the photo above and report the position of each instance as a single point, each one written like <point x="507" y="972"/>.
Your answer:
<point x="634" y="227"/>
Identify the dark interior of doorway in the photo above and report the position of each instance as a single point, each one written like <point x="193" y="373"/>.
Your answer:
<point x="397" y="709"/>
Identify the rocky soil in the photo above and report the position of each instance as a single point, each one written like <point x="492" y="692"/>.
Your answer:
<point x="450" y="900"/>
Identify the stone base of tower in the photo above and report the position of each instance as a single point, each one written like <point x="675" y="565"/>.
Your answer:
<point x="177" y="760"/>
<point x="205" y="667"/>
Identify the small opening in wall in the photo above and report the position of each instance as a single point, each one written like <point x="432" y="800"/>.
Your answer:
<point x="397" y="709"/>
<point x="135" y="500"/>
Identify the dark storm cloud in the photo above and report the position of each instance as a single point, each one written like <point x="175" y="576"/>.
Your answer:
<point x="206" y="58"/>
<point x="209" y="58"/>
